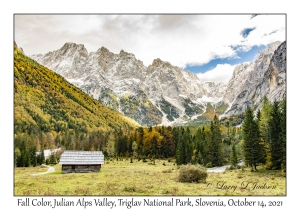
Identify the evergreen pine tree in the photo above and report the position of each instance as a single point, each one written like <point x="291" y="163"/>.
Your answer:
<point x="215" y="143"/>
<point x="276" y="137"/>
<point x="17" y="154"/>
<point x="262" y="143"/>
<point x="175" y="134"/>
<point x="41" y="157"/>
<point x="203" y="146"/>
<point x="200" y="146"/>
<point x="26" y="159"/>
<point x="188" y="146"/>
<point x="283" y="132"/>
<point x="251" y="142"/>
<point x="181" y="148"/>
<point x="233" y="156"/>
<point x="52" y="159"/>
<point x="33" y="157"/>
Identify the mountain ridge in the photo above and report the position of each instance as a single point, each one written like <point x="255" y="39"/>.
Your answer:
<point x="160" y="93"/>
<point x="45" y="101"/>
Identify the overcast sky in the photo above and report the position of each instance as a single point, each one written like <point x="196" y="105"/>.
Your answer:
<point x="208" y="45"/>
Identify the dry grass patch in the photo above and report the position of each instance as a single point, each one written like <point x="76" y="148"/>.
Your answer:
<point x="139" y="178"/>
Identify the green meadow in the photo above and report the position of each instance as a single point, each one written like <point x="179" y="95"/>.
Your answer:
<point x="151" y="178"/>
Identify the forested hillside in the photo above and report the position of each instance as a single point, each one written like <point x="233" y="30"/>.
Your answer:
<point x="49" y="111"/>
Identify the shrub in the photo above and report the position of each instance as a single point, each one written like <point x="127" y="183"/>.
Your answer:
<point x="192" y="173"/>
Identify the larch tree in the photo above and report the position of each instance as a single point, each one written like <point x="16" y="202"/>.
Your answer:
<point x="264" y="129"/>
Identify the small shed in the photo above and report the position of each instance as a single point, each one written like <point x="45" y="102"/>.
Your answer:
<point x="81" y="161"/>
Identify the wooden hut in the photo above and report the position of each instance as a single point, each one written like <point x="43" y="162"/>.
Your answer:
<point x="81" y="161"/>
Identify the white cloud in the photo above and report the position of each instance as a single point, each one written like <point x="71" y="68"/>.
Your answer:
<point x="222" y="73"/>
<point x="178" y="39"/>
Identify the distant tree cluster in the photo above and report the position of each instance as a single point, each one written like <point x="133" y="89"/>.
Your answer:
<point x="153" y="142"/>
<point x="26" y="153"/>
<point x="208" y="145"/>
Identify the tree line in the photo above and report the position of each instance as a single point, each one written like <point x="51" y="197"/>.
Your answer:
<point x="260" y="140"/>
<point x="208" y="145"/>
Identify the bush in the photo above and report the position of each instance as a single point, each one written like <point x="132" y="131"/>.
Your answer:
<point x="192" y="173"/>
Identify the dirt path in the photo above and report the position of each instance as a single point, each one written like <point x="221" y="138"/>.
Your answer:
<point x="217" y="169"/>
<point x="50" y="170"/>
<point x="221" y="168"/>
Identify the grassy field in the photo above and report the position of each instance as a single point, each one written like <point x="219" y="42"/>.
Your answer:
<point x="145" y="178"/>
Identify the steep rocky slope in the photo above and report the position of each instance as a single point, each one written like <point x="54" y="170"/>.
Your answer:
<point x="273" y="85"/>
<point x="162" y="93"/>
<point x="250" y="81"/>
<point x="157" y="94"/>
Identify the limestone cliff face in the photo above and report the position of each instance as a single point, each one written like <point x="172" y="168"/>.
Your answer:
<point x="273" y="85"/>
<point x="249" y="84"/>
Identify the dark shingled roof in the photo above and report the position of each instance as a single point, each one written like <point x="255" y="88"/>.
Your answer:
<point x="81" y="158"/>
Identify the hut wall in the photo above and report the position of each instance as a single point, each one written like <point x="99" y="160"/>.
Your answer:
<point x="80" y="168"/>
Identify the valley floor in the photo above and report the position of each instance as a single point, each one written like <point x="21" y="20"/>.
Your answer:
<point x="143" y="178"/>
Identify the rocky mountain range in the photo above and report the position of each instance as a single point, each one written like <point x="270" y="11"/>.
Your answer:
<point x="251" y="82"/>
<point x="165" y="94"/>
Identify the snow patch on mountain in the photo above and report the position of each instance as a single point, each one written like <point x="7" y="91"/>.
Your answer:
<point x="209" y="99"/>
